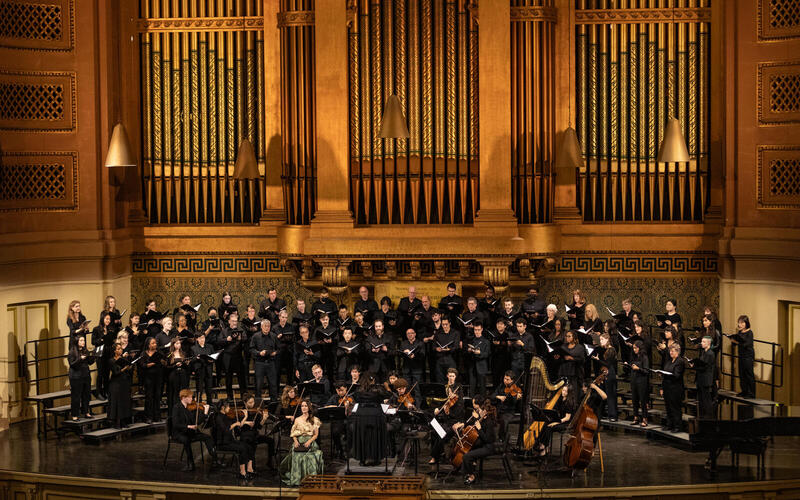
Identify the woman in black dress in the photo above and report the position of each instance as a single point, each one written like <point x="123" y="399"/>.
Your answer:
<point x="640" y="383"/>
<point x="369" y="425"/>
<point x="75" y="320"/>
<point x="577" y="310"/>
<point x="80" y="380"/>
<point x="227" y="307"/>
<point x="103" y="335"/>
<point x="565" y="407"/>
<point x="744" y="340"/>
<point x="572" y="363"/>
<point x="150" y="370"/>
<point x="119" y="389"/>
<point x="178" y="372"/>
<point x="227" y="428"/>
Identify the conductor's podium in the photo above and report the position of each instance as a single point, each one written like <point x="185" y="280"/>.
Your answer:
<point x="322" y="487"/>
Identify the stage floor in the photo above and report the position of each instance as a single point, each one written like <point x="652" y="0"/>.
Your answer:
<point x="630" y="459"/>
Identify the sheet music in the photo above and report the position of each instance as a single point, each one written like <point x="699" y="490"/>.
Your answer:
<point x="355" y="408"/>
<point x="567" y="308"/>
<point x="438" y="428"/>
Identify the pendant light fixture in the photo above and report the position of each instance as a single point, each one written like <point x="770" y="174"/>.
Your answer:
<point x="393" y="123"/>
<point x="246" y="166"/>
<point x="119" y="149"/>
<point x="568" y="155"/>
<point x="673" y="147"/>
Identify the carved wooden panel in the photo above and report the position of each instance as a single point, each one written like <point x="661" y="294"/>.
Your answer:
<point x="37" y="24"/>
<point x="778" y="19"/>
<point x="38" y="181"/>
<point x="779" y="176"/>
<point x="779" y="93"/>
<point x="37" y="101"/>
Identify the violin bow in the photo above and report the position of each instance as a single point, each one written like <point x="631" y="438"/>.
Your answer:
<point x="294" y="415"/>
<point x="344" y="398"/>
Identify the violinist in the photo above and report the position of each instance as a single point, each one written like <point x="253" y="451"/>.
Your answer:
<point x="447" y="415"/>
<point x="264" y="349"/>
<point x="228" y="427"/>
<point x="508" y="394"/>
<point x="287" y="409"/>
<point x="483" y="420"/>
<point x="253" y="419"/>
<point x="80" y="380"/>
<point x="390" y="384"/>
<point x="177" y="371"/>
<point x="479" y="350"/>
<point x="230" y="341"/>
<point x="412" y="352"/>
<point x="151" y="373"/>
<point x="327" y="337"/>
<point x="402" y="400"/>
<point x="185" y="423"/>
<point x="202" y="365"/>
<point x="339" y="427"/>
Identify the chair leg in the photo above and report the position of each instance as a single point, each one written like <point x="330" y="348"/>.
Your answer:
<point x="507" y="468"/>
<point x="169" y="443"/>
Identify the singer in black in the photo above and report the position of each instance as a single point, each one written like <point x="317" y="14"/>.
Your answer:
<point x="75" y="320"/>
<point x="306" y="354"/>
<point x="264" y="350"/>
<point x="445" y="344"/>
<point x="521" y="346"/>
<point x="705" y="364"/>
<point x="479" y="350"/>
<point x="412" y="352"/>
<point x="271" y="306"/>
<point x="187" y="310"/>
<point x="324" y="306"/>
<point x="672" y="387"/>
<point x="744" y="340"/>
<point x="451" y="304"/>
<point x="150" y="369"/>
<point x="230" y="341"/>
<point x="80" y="380"/>
<point x="119" y="389"/>
<point x="302" y="316"/>
<point x="380" y="347"/>
<point x="103" y="336"/>
<point x="365" y="305"/>
<point x="184" y="424"/>
<point x="203" y="366"/>
<point x="407" y="307"/>
<point x="348" y="354"/>
<point x="285" y="333"/>
<point x="327" y="337"/>
<point x="640" y="383"/>
<point x="227" y="307"/>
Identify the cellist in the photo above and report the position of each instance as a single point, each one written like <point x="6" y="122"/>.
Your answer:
<point x="484" y="420"/>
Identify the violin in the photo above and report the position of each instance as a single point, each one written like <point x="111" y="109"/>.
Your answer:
<point x="196" y="406"/>
<point x="295" y="401"/>
<point x="452" y="399"/>
<point x="513" y="391"/>
<point x="345" y="400"/>
<point x="406" y="400"/>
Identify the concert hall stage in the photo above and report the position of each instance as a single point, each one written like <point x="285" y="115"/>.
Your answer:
<point x="633" y="465"/>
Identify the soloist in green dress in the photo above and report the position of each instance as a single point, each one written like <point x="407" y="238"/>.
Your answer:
<point x="299" y="464"/>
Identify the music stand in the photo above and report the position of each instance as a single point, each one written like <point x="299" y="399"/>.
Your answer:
<point x="311" y="389"/>
<point x="416" y="419"/>
<point x="546" y="416"/>
<point x="330" y="414"/>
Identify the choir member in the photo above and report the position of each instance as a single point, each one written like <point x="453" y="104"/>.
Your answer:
<point x="670" y="338"/>
<point x="412" y="352"/>
<point x="177" y="372"/>
<point x="484" y="419"/>
<point x="447" y="415"/>
<point x="165" y="335"/>
<point x="228" y="427"/>
<point x="343" y="320"/>
<point x="305" y="458"/>
<point x="626" y="322"/>
<point x="406" y="308"/>
<point x="151" y="318"/>
<point x="212" y="326"/>
<point x="182" y="330"/>
<point x="500" y="358"/>
<point x="592" y="322"/>
<point x="306" y="354"/>
<point x="509" y="314"/>
<point x="533" y="308"/>
<point x="705" y="364"/>
<point x="301" y="316"/>
<point x="577" y="310"/>
<point x="327" y="336"/>
<point x="380" y="348"/>
<point x="230" y="342"/>
<point x="446" y="344"/>
<point x="710" y="329"/>
<point x="227" y="307"/>
<point x="427" y="331"/>
<point x="565" y="407"/>
<point x="507" y="404"/>
<point x="324" y="305"/>
<point x="743" y="338"/>
<point x="640" y="383"/>
<point x="365" y="305"/>
<point x="110" y="307"/>
<point x="712" y="311"/>
<point x="250" y="325"/>
<point x="672" y="317"/>
<point x="369" y="425"/>
<point x="264" y="349"/>
<point x="103" y="336"/>
<point x="451" y="304"/>
<point x="202" y="366"/>
<point x="546" y="325"/>
<point x="360" y="327"/>
<point x="150" y="370"/>
<point x="80" y="380"/>
<point x="348" y="353"/>
<point x="388" y="315"/>
<point x="608" y="359"/>
<point x="136" y="334"/>
<point x="572" y="362"/>
<point x="271" y="306"/>
<point x="185" y="430"/>
<point x="119" y="389"/>
<point x="489" y="305"/>
<point x="75" y="320"/>
<point x="479" y="351"/>
<point x="672" y="387"/>
<point x="285" y="333"/>
<point x="469" y="317"/>
<point x="521" y="346"/>
<point x="186" y="309"/>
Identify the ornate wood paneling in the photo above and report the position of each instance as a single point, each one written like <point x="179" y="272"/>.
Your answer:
<point x="779" y="176"/>
<point x="778" y="19"/>
<point x="202" y="88"/>
<point x="779" y="93"/>
<point x="37" y="101"/>
<point x="532" y="109"/>
<point x="37" y="24"/>
<point x="425" y="52"/>
<point x="38" y="181"/>
<point x="298" y="114"/>
<point x="635" y="70"/>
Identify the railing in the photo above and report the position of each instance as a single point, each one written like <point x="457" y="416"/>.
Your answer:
<point x="36" y="360"/>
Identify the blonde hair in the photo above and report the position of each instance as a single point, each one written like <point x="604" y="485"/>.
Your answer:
<point x="71" y="314"/>
<point x="591" y="312"/>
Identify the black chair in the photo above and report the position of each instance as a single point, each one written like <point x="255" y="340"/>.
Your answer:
<point x="183" y="451"/>
<point x="222" y="453"/>
<point x="503" y="446"/>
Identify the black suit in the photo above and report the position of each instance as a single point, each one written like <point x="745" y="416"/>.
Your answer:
<point x="705" y="364"/>
<point x="672" y="386"/>
<point x="180" y="420"/>
<point x="479" y="365"/>
<point x="267" y="365"/>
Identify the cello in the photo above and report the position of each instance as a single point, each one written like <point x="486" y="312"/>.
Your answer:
<point x="579" y="448"/>
<point x="468" y="435"/>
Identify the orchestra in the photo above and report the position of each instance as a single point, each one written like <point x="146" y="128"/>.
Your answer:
<point x="466" y="372"/>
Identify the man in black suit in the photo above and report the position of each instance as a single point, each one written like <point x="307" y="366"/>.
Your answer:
<point x="705" y="363"/>
<point x="184" y="423"/>
<point x="479" y="349"/>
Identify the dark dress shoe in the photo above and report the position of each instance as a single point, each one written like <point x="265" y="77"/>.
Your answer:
<point x="188" y="468"/>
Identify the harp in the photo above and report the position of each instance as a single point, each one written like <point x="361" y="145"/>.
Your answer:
<point x="540" y="392"/>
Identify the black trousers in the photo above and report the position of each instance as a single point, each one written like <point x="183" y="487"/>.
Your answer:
<point x="304" y="369"/>
<point x="103" y="375"/>
<point x="747" y="380"/>
<point x="242" y="450"/>
<point x="187" y="438"/>
<point x="152" y="397"/>
<point x="234" y="363"/>
<point x="414" y="378"/>
<point x="611" y="390"/>
<point x="473" y="455"/>
<point x="673" y="397"/>
<point x="706" y="407"/>
<point x="267" y="370"/>
<point x="286" y="363"/>
<point x="80" y="392"/>
<point x="477" y="382"/>
<point x="639" y="395"/>
<point x="204" y="379"/>
<point x="442" y="365"/>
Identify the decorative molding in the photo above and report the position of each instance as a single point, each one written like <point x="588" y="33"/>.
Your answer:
<point x="203" y="263"/>
<point x="616" y="263"/>
<point x="778" y="177"/>
<point x="632" y="16"/>
<point x="38" y="181"/>
<point x="42" y="25"/>
<point x="239" y="23"/>
<point x="38" y="101"/>
<point x="295" y="18"/>
<point x="778" y="19"/>
<point x="527" y="14"/>
<point x="779" y="93"/>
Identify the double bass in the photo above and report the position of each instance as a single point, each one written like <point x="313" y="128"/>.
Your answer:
<point x="579" y="448"/>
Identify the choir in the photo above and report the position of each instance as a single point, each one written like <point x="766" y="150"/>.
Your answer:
<point x="379" y="372"/>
